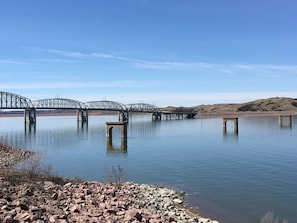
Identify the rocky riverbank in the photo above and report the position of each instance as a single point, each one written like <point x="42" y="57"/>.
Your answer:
<point x="10" y="155"/>
<point x="35" y="198"/>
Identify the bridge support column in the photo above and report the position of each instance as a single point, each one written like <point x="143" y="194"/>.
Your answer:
<point x="191" y="115"/>
<point x="167" y="116"/>
<point x="235" y="121"/>
<point x="123" y="116"/>
<point x="179" y="116"/>
<point x="281" y="119"/>
<point x="30" y="116"/>
<point x="157" y="116"/>
<point x="82" y="115"/>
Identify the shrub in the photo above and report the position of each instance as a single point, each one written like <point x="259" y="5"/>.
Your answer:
<point x="115" y="175"/>
<point x="270" y="218"/>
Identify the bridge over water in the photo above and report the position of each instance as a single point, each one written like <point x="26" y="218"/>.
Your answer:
<point x="14" y="101"/>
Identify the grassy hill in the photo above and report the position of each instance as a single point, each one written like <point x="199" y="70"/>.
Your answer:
<point x="277" y="104"/>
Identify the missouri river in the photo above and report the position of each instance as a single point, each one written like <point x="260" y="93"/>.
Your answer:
<point x="234" y="178"/>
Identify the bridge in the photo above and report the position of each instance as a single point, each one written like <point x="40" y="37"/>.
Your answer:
<point x="14" y="101"/>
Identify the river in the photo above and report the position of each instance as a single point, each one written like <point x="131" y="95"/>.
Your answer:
<point x="234" y="178"/>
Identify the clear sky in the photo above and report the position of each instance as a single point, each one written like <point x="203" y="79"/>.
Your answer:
<point x="163" y="52"/>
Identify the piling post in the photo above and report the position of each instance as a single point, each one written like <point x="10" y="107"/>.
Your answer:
<point x="121" y="125"/>
<point x="157" y="116"/>
<point x="235" y="121"/>
<point x="82" y="115"/>
<point x="30" y="116"/>
<point x="123" y="116"/>
<point x="281" y="119"/>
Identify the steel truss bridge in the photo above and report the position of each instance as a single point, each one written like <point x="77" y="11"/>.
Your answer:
<point x="14" y="101"/>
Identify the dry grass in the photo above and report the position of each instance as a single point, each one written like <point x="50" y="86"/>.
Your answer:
<point x="115" y="175"/>
<point x="30" y="170"/>
<point x="270" y="218"/>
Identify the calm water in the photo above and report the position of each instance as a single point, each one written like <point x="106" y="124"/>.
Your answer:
<point x="233" y="178"/>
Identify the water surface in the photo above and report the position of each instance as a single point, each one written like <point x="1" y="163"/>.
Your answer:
<point x="235" y="178"/>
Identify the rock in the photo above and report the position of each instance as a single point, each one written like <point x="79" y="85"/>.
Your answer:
<point x="177" y="201"/>
<point x="49" y="185"/>
<point x="53" y="219"/>
<point x="9" y="219"/>
<point x="23" y="217"/>
<point x="138" y="216"/>
<point x="67" y="185"/>
<point x="29" y="192"/>
<point x="21" y="203"/>
<point x="110" y="211"/>
<point x="74" y="209"/>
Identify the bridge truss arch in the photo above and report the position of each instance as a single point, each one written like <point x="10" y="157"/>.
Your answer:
<point x="14" y="101"/>
<point x="58" y="103"/>
<point x="142" y="107"/>
<point x="106" y="106"/>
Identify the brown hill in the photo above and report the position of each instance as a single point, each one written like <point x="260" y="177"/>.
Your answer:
<point x="270" y="105"/>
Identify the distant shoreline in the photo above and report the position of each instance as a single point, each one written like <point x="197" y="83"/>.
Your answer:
<point x="198" y="115"/>
<point x="244" y="114"/>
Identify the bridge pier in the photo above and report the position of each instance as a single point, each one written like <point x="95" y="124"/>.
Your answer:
<point x="177" y="115"/>
<point x="121" y="125"/>
<point x="123" y="116"/>
<point x="191" y="115"/>
<point x="173" y="115"/>
<point x="30" y="116"/>
<point x="167" y="116"/>
<point x="157" y="116"/>
<point x="281" y="119"/>
<point x="82" y="115"/>
<point x="235" y="121"/>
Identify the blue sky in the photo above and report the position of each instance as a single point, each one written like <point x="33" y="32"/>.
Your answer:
<point x="163" y="52"/>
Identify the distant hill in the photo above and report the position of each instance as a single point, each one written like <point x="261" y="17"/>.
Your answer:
<point x="277" y="104"/>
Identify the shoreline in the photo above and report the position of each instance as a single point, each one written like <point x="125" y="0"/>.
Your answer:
<point x="10" y="156"/>
<point x="198" y="115"/>
<point x="243" y="114"/>
<point x="40" y="198"/>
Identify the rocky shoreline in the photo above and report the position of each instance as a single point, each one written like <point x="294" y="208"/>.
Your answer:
<point x="51" y="199"/>
<point x="10" y="155"/>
